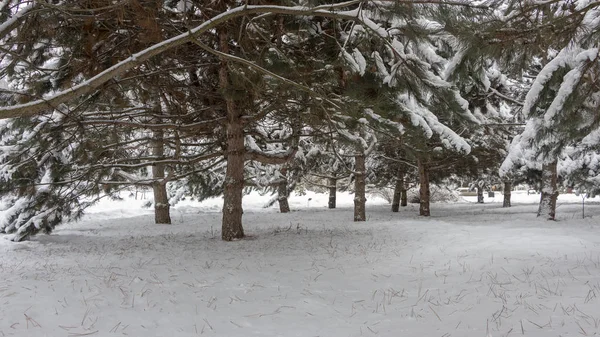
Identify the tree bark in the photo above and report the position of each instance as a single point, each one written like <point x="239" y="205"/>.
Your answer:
<point x="507" y="189"/>
<point x="282" y="193"/>
<point x="332" y="192"/>
<point x="479" y="194"/>
<point x="159" y="187"/>
<point x="403" y="196"/>
<point x="398" y="189"/>
<point x="231" y="227"/>
<point x="161" y="204"/>
<point x="547" y="206"/>
<point x="359" y="188"/>
<point x="424" y="192"/>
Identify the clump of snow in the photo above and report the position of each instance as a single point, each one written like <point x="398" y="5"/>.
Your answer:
<point x="544" y="77"/>
<point x="569" y="84"/>
<point x="356" y="61"/>
<point x="426" y="120"/>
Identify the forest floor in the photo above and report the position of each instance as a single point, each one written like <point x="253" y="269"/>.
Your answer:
<point x="469" y="270"/>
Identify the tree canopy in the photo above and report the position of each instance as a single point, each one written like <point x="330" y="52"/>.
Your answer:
<point x="196" y="98"/>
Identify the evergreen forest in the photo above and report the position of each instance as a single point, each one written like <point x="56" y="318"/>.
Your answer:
<point x="206" y="98"/>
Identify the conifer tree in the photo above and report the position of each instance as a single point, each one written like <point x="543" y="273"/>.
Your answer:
<point x="561" y="103"/>
<point x="390" y="42"/>
<point x="138" y="133"/>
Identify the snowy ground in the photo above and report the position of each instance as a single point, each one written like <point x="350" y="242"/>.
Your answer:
<point x="469" y="270"/>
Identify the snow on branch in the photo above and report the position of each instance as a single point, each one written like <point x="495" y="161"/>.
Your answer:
<point x="533" y="95"/>
<point x="395" y="125"/>
<point x="592" y="138"/>
<point x="37" y="106"/>
<point x="7" y="26"/>
<point x="273" y="157"/>
<point x="356" y="61"/>
<point x="422" y="117"/>
<point x="569" y="83"/>
<point x="328" y="10"/>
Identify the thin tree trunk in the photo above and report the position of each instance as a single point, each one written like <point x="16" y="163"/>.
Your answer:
<point x="159" y="187"/>
<point x="547" y="206"/>
<point x="479" y="194"/>
<point x="359" y="189"/>
<point x="507" y="189"/>
<point x="231" y="227"/>
<point x="398" y="189"/>
<point x="332" y="192"/>
<point x="403" y="196"/>
<point x="425" y="194"/>
<point x="282" y="192"/>
<point x="161" y="204"/>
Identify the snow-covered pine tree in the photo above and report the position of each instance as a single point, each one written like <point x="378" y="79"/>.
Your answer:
<point x="37" y="153"/>
<point x="274" y="139"/>
<point x="562" y="103"/>
<point x="393" y="170"/>
<point x="492" y="93"/>
<point x="141" y="122"/>
<point x="400" y="69"/>
<point x="326" y="166"/>
<point x="412" y="65"/>
<point x="360" y="142"/>
<point x="491" y="97"/>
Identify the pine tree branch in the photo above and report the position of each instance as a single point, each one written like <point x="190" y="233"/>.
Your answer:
<point x="191" y="160"/>
<point x="463" y="3"/>
<point x="503" y="124"/>
<point x="324" y="176"/>
<point x="264" y="71"/>
<point x="10" y="24"/>
<point x="501" y="95"/>
<point x="330" y="10"/>
<point x="92" y="11"/>
<point x="306" y="180"/>
<point x="40" y="105"/>
<point x="399" y="161"/>
<point x="272" y="159"/>
<point x="204" y="125"/>
<point x="271" y="183"/>
<point x="30" y="64"/>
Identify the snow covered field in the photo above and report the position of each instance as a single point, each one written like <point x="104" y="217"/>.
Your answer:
<point x="469" y="270"/>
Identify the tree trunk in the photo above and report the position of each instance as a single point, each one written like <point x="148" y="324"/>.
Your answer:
<point x="424" y="194"/>
<point x="231" y="227"/>
<point x="161" y="204"/>
<point x="547" y="206"/>
<point x="403" y="196"/>
<point x="159" y="187"/>
<point x="398" y="189"/>
<point x="359" y="189"/>
<point x="332" y="192"/>
<point x="282" y="192"/>
<point x="479" y="194"/>
<point x="507" y="189"/>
